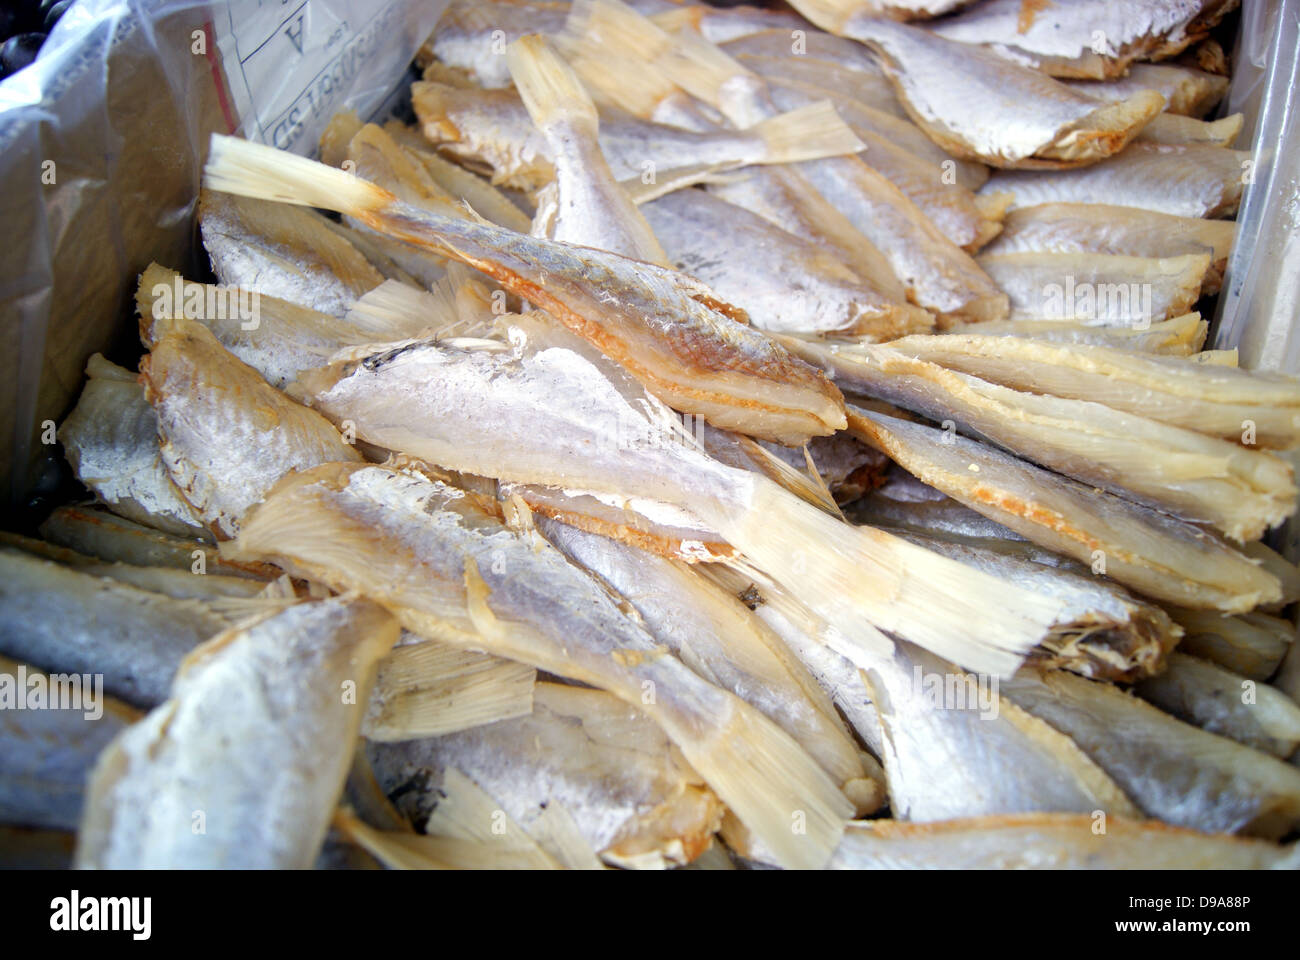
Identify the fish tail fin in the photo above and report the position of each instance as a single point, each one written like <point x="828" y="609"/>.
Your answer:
<point x="397" y="311"/>
<point x="549" y="87"/>
<point x="776" y="789"/>
<point x="250" y="169"/>
<point x="811" y="132"/>
<point x="851" y="575"/>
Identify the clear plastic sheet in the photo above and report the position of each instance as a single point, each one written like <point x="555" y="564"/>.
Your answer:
<point x="101" y="148"/>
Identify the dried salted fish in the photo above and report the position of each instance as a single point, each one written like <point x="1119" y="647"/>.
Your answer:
<point x="978" y="105"/>
<point x="1188" y="92"/>
<point x="1246" y="406"/>
<point x="714" y="635"/>
<point x="1050" y="841"/>
<point x="52" y="728"/>
<point x="1175" y="772"/>
<point x="612" y="770"/>
<point x="1180" y="336"/>
<point x="1250" y="644"/>
<point x="283" y="252"/>
<point x="1239" y="491"/>
<point x="1107" y="289"/>
<point x="1183" y="181"/>
<point x="1102" y="228"/>
<point x="1226" y="703"/>
<point x="111" y="442"/>
<point x="226" y="434"/>
<point x="1077" y="38"/>
<point x="1171" y="129"/>
<point x="661" y="325"/>
<point x="262" y="763"/>
<point x="1147" y="551"/>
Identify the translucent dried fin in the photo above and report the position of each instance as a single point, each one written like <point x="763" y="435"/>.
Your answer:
<point x="809" y="487"/>
<point x="395" y="311"/>
<point x="253" y="170"/>
<point x="412" y="851"/>
<point x="551" y="91"/>
<point x="430" y="689"/>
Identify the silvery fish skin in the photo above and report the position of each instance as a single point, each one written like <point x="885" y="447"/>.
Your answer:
<point x="95" y="532"/>
<point x="65" y="621"/>
<point x="1257" y="408"/>
<point x="226" y="434"/>
<point x="1148" y="551"/>
<point x="1239" y="491"/>
<point x="1106" y="633"/>
<point x="1050" y="841"/>
<point x="263" y="761"/>
<point x="1177" y="337"/>
<point x="1220" y="701"/>
<point x="492" y="128"/>
<point x="1106" y="229"/>
<point x="714" y="635"/>
<point x="979" y="106"/>
<point x="953" y="747"/>
<point x="785" y="284"/>
<point x="1173" y="771"/>
<point x="1188" y="92"/>
<point x="1183" y="181"/>
<point x="451" y="571"/>
<point x="1252" y="644"/>
<point x="1170" y="129"/>
<point x="473" y="36"/>
<point x="47" y="753"/>
<point x="283" y="251"/>
<point x="111" y="442"/>
<point x="784" y="197"/>
<point x="1105" y="289"/>
<point x="968" y="221"/>
<point x="632" y="796"/>
<point x="1075" y="38"/>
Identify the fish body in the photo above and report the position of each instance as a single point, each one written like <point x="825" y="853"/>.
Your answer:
<point x="1188" y="92"/>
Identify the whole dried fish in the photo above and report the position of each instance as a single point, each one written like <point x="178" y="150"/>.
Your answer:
<point x="668" y="330"/>
<point x="609" y="767"/>
<point x="1050" y="841"/>
<point x="111" y="442"/>
<point x="473" y="36"/>
<point x="978" y="105"/>
<point x="1106" y="229"/>
<point x="1188" y="92"/>
<point x="784" y="283"/>
<point x="1075" y="38"/>
<point x="1183" y="181"/>
<point x="1250" y="644"/>
<point x="1180" y="336"/>
<point x="256" y="739"/>
<point x="1109" y="289"/>
<point x="1246" y="406"/>
<point x="1200" y="478"/>
<point x="1147" y="551"/>
<point x="226" y="434"/>
<point x="1171" y="129"/>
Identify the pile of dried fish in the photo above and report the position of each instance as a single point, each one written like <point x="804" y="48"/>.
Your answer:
<point x="705" y="437"/>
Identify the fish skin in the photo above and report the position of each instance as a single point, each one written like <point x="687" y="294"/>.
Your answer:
<point x="255" y="735"/>
<point x="1060" y="38"/>
<point x="946" y="761"/>
<point x="1174" y="772"/>
<point x="47" y="755"/>
<point x="1184" y="181"/>
<point x="1149" y="552"/>
<point x="1210" y="697"/>
<point x="474" y="36"/>
<point x="283" y="251"/>
<point x="979" y="106"/>
<point x="65" y="621"/>
<point x="714" y="635"/>
<point x="1188" y="92"/>
<point x="1048" y="286"/>
<point x="111" y="442"/>
<point x="1178" y="337"/>
<point x="633" y="797"/>
<point x="784" y="283"/>
<point x="870" y="88"/>
<point x="227" y="435"/>
<point x="1251" y="644"/>
<point x="1174" y="130"/>
<point x="1050" y="841"/>
<point x="1107" y="229"/>
<point x="530" y="605"/>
